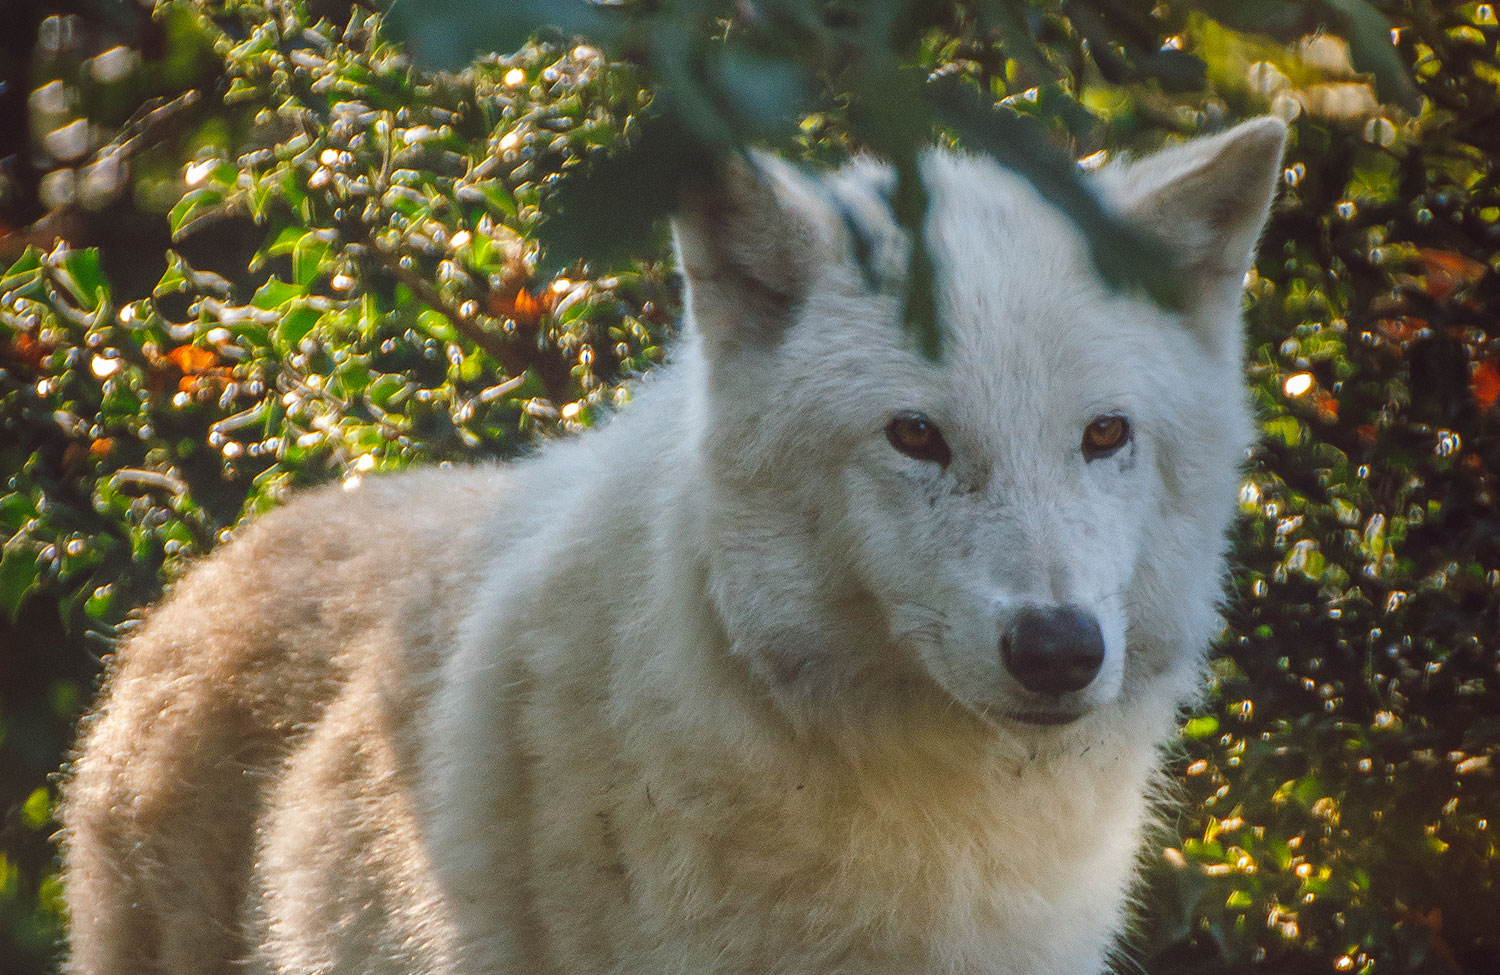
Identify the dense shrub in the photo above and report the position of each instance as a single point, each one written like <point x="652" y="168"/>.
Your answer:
<point x="350" y="285"/>
<point x="1345" y="777"/>
<point x="350" y="290"/>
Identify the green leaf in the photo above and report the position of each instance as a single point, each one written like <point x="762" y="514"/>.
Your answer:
<point x="490" y="193"/>
<point x="919" y="310"/>
<point x="471" y="366"/>
<point x="308" y="255"/>
<point x="1204" y="726"/>
<point x="1009" y="17"/>
<point x="195" y="207"/>
<point x="1286" y="429"/>
<point x="388" y="392"/>
<point x="26" y="270"/>
<point x="15" y="511"/>
<point x="294" y="326"/>
<point x="174" y="278"/>
<point x="81" y="276"/>
<point x="1176" y="70"/>
<point x="101" y="603"/>
<point x="766" y="94"/>
<point x="19" y="574"/>
<point x="285" y="241"/>
<point x="275" y="293"/>
<point x="887" y="113"/>
<point x="1278" y="18"/>
<point x="36" y="811"/>
<point x="436" y="324"/>
<point x="575" y="310"/>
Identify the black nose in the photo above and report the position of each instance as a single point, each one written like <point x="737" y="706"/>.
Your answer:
<point x="1053" y="649"/>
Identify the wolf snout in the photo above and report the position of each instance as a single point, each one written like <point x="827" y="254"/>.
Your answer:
<point x="1052" y="649"/>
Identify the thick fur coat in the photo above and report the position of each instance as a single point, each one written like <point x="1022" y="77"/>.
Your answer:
<point x="737" y="683"/>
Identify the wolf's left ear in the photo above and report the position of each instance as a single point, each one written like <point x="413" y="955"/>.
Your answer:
<point x="1208" y="199"/>
<point x="749" y="242"/>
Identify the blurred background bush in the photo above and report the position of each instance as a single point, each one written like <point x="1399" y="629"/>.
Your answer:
<point x="245" y="245"/>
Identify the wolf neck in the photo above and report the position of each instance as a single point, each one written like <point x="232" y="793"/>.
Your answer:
<point x="883" y="805"/>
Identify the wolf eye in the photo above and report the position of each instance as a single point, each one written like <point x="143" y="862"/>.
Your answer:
<point x="1105" y="435"/>
<point x="916" y="436"/>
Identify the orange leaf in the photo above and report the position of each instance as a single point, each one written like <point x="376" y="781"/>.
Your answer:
<point x="1447" y="271"/>
<point x="1327" y="406"/>
<point x="1484" y="382"/>
<point x="192" y="360"/>
<point x="1401" y="329"/>
<point x="527" y="309"/>
<point x="27" y="351"/>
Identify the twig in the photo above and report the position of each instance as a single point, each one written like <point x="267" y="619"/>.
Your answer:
<point x="144" y="127"/>
<point x="511" y="357"/>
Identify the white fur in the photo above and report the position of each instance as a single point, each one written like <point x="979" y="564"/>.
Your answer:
<point x="716" y="689"/>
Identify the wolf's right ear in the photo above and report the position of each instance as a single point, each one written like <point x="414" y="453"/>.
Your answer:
<point x="748" y="242"/>
<point x="1208" y="198"/>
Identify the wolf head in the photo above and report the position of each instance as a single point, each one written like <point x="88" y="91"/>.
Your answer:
<point x="1032" y="526"/>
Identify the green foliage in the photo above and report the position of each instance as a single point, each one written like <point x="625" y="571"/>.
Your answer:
<point x="1344" y="778"/>
<point x="355" y="281"/>
<point x="721" y="88"/>
<point x="389" y="315"/>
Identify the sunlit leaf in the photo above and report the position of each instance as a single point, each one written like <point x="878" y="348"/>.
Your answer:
<point x="36" y="811"/>
<point x="191" y="359"/>
<point x="275" y="293"/>
<point x="81" y="276"/>
<point x="308" y="257"/>
<point x="195" y="207"/>
<point x="1202" y="726"/>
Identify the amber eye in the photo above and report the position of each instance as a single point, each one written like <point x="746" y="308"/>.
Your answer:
<point x="1105" y="435"/>
<point x="916" y="436"/>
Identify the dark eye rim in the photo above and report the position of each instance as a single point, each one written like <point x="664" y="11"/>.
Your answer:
<point x="915" y="435"/>
<point x="1111" y="445"/>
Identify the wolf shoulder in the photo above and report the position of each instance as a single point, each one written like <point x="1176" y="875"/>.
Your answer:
<point x="308" y="591"/>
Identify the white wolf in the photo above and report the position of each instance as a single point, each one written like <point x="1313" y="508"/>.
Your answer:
<point x="821" y="658"/>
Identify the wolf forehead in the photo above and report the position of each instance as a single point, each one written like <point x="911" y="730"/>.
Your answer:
<point x="1008" y="262"/>
<point x="1010" y="267"/>
<point x="977" y="211"/>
